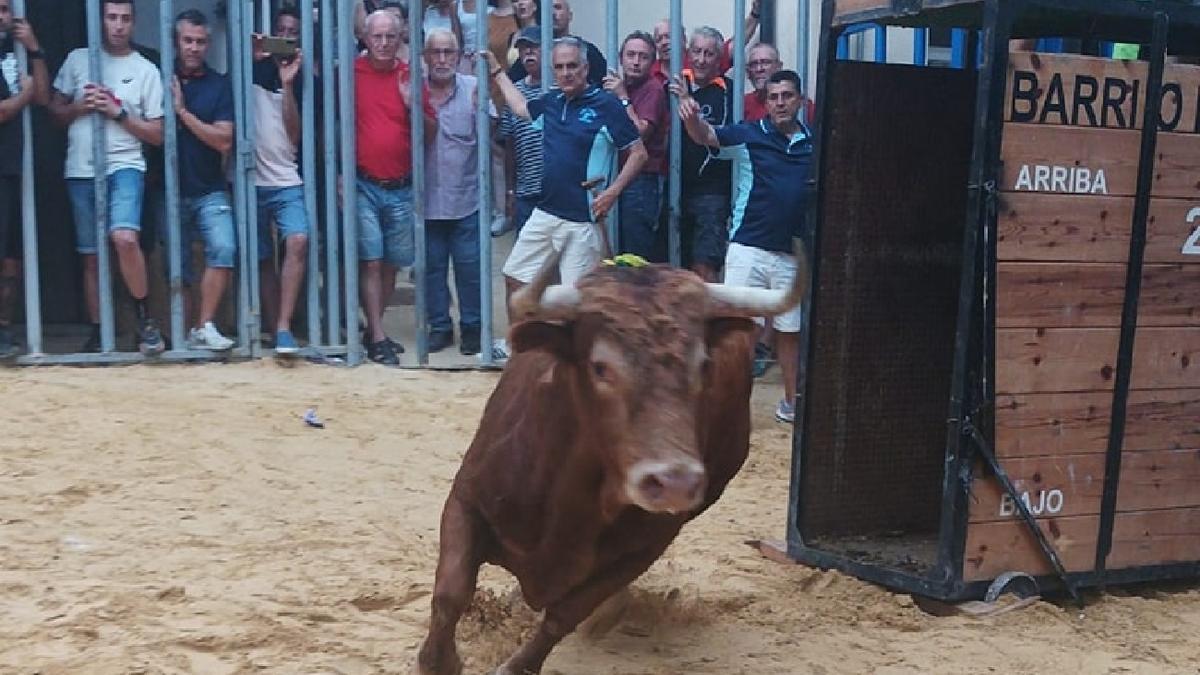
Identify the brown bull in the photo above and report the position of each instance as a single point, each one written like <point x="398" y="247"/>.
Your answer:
<point x="610" y="428"/>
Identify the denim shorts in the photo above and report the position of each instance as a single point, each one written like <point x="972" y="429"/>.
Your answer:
<point x="285" y="207"/>
<point x="211" y="217"/>
<point x="385" y="225"/>
<point x="641" y="207"/>
<point x="125" y="192"/>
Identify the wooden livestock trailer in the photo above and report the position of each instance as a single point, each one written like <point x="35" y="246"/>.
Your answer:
<point x="1002" y="369"/>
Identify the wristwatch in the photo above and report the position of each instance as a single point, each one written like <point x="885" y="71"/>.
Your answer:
<point x="35" y="53"/>
<point x="625" y="102"/>
<point x="121" y="116"/>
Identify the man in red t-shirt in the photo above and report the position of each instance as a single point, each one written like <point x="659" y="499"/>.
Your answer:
<point x="645" y="102"/>
<point x="382" y="103"/>
<point x="662" y="43"/>
<point x="761" y="63"/>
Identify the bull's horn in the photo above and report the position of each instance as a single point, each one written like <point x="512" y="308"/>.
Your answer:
<point x="741" y="301"/>
<point x="540" y="300"/>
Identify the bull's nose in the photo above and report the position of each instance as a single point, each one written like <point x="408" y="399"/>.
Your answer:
<point x="672" y="487"/>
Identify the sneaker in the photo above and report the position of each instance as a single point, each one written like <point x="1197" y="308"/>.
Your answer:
<point x="382" y="353"/>
<point x="468" y="341"/>
<point x="285" y="343"/>
<point x="208" y="337"/>
<point x="785" y="412"/>
<point x="500" y="350"/>
<point x="8" y="346"/>
<point x="440" y="339"/>
<point x="150" y="340"/>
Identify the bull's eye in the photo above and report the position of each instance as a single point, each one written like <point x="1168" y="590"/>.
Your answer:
<point x="600" y="369"/>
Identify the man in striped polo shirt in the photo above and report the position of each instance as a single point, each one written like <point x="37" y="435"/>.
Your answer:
<point x="523" y="154"/>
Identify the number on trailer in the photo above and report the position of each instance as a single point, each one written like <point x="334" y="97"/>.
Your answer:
<point x="1192" y="245"/>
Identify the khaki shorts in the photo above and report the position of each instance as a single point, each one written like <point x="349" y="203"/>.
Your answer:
<point x="759" y="268"/>
<point x="544" y="234"/>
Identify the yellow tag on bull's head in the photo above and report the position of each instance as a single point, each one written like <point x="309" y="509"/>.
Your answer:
<point x="626" y="260"/>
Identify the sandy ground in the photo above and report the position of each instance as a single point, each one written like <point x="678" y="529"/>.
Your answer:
<point x="183" y="519"/>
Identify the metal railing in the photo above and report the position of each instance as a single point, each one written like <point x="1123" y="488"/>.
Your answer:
<point x="327" y="156"/>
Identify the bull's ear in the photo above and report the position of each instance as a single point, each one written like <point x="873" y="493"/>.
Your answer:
<point x="558" y="339"/>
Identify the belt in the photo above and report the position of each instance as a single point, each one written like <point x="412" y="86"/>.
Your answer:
<point x="385" y="183"/>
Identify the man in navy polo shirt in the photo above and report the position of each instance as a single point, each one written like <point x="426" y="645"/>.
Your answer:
<point x="583" y="128"/>
<point x="774" y="156"/>
<point x="203" y="103"/>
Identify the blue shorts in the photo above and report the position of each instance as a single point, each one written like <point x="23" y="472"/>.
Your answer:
<point x="125" y="192"/>
<point x="285" y="207"/>
<point x="211" y="217"/>
<point x="385" y="225"/>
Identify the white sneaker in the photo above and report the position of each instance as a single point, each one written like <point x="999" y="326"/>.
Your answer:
<point x="785" y="412"/>
<point x="209" y="338"/>
<point x="499" y="351"/>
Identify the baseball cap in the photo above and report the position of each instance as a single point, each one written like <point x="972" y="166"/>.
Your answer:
<point x="530" y="34"/>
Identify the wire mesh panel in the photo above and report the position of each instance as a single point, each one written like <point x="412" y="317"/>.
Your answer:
<point x="885" y="303"/>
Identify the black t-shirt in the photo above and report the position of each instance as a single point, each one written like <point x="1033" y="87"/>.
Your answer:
<point x="11" y="139"/>
<point x="703" y="173"/>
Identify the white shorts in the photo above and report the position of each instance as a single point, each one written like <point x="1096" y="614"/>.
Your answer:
<point x="758" y="268"/>
<point x="544" y="234"/>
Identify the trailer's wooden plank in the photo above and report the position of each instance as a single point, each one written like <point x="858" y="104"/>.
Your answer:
<point x="1140" y="538"/>
<point x="844" y="9"/>
<point x="1089" y="162"/>
<point x="1064" y="228"/>
<point x="1088" y="91"/>
<point x="1092" y="295"/>
<point x="1050" y="360"/>
<point x="1032" y="425"/>
<point x="1072" y="485"/>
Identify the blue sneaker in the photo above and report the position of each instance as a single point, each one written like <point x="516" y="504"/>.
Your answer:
<point x="285" y="343"/>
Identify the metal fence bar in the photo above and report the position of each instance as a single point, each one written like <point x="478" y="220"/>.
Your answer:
<point x="802" y="41"/>
<point x="881" y="44"/>
<point x="546" y="23"/>
<point x="333" y="280"/>
<point x="739" y="67"/>
<point x="254" y="313"/>
<point x="308" y="167"/>
<point x="346" y="52"/>
<point x="166" y="37"/>
<point x="920" y="46"/>
<point x="242" y="155"/>
<point x="958" y="48"/>
<point x="33" y="288"/>
<point x="100" y="185"/>
<point x="612" y="42"/>
<point x="417" y="122"/>
<point x="674" y="243"/>
<point x="483" y="126"/>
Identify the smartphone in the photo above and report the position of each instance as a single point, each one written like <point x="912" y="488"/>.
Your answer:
<point x="279" y="46"/>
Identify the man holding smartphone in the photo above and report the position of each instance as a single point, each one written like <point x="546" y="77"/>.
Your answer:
<point x="279" y="186"/>
<point x="130" y="98"/>
<point x="17" y="90"/>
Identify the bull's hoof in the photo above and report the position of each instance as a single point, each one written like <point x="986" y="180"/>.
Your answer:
<point x="443" y="665"/>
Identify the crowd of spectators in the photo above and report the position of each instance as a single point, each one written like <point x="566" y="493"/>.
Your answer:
<point x="597" y="139"/>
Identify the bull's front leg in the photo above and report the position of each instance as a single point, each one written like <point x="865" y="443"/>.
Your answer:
<point x="564" y="615"/>
<point x="460" y="555"/>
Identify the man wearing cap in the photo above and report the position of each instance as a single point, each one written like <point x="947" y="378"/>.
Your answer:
<point x="562" y="15"/>
<point x="523" y="146"/>
<point x="584" y="128"/>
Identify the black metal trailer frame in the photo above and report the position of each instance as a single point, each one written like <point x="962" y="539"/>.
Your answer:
<point x="1163" y="25"/>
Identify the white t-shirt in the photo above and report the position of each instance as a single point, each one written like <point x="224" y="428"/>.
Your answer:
<point x="136" y="83"/>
